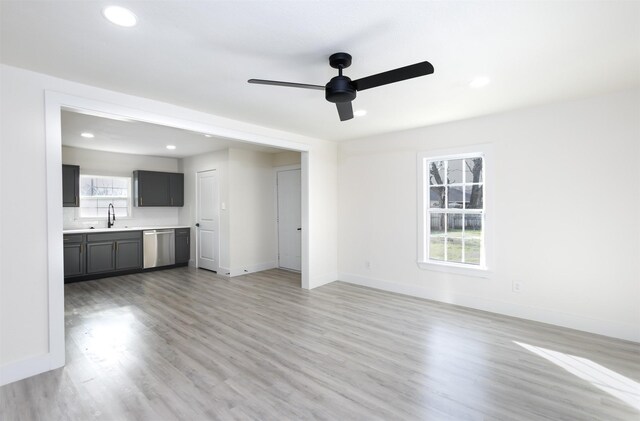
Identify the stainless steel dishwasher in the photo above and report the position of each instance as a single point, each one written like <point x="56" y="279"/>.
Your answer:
<point x="159" y="248"/>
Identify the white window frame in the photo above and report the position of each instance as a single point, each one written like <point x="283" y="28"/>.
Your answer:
<point x="486" y="268"/>
<point x="129" y="198"/>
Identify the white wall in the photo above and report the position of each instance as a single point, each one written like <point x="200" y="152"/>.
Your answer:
<point x="190" y="166"/>
<point x="282" y="159"/>
<point x="24" y="278"/>
<point x="122" y="165"/>
<point x="567" y="194"/>
<point x="251" y="211"/>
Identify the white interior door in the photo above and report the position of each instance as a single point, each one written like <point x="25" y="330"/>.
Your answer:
<point x="289" y="228"/>
<point x="207" y="218"/>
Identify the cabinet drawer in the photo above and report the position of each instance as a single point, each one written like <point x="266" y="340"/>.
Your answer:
<point x="182" y="231"/>
<point x="114" y="236"/>
<point x="73" y="238"/>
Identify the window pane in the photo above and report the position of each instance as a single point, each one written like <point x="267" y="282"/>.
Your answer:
<point x="472" y="251"/>
<point x="472" y="226"/>
<point x="438" y="221"/>
<point x="454" y="172"/>
<point x="454" y="224"/>
<point x="473" y="170"/>
<point x="436" y="172"/>
<point x="454" y="250"/>
<point x="120" y="183"/>
<point x="436" y="248"/>
<point x="97" y="192"/>
<point x="436" y="197"/>
<point x="455" y="198"/>
<point x="473" y="197"/>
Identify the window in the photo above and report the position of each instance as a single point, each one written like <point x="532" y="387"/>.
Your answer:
<point x="452" y="211"/>
<point x="96" y="192"/>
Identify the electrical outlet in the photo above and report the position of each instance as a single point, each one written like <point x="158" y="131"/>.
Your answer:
<point x="517" y="287"/>
<point x="367" y="264"/>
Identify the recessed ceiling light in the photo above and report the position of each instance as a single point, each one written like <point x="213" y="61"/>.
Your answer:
<point x="360" y="113"/>
<point x="208" y="135"/>
<point x="120" y="16"/>
<point x="479" y="82"/>
<point x="87" y="135"/>
<point x="171" y="147"/>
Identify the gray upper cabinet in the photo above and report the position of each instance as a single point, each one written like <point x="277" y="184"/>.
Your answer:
<point x="176" y="188"/>
<point x="70" y="186"/>
<point x="153" y="188"/>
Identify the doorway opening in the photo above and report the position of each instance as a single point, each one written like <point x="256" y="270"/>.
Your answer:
<point x="192" y="121"/>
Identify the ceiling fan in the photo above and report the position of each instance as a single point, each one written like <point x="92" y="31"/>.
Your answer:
<point x="341" y="90"/>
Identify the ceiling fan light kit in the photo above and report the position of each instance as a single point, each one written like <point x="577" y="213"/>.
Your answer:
<point x="341" y="90"/>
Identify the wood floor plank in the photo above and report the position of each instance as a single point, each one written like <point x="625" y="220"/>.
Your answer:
<point x="186" y="344"/>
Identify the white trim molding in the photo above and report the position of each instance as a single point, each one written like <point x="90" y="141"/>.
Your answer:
<point x="248" y="269"/>
<point x="537" y="314"/>
<point x="22" y="369"/>
<point x="325" y="279"/>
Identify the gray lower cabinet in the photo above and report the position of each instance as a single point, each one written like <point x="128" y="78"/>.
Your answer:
<point x="91" y="255"/>
<point x="101" y="257"/>
<point x="114" y="251"/>
<point x="74" y="255"/>
<point x="183" y="247"/>
<point x="129" y="254"/>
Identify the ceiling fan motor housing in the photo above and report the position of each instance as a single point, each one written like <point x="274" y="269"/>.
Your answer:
<point x="340" y="89"/>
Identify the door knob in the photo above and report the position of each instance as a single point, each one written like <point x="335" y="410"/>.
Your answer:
<point x="198" y="224"/>
<point x="299" y="229"/>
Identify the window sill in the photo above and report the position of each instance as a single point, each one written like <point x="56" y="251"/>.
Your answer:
<point x="456" y="269"/>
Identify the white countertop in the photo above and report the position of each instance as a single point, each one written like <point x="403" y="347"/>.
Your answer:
<point x="115" y="229"/>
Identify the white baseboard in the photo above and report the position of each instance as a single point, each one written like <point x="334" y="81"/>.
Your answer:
<point x="572" y="321"/>
<point x="318" y="281"/>
<point x="248" y="269"/>
<point x="22" y="369"/>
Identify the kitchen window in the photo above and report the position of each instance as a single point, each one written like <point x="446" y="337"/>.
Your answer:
<point x="452" y="212"/>
<point x="96" y="192"/>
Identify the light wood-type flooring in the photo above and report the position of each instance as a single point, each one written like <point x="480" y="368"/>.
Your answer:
<point x="185" y="344"/>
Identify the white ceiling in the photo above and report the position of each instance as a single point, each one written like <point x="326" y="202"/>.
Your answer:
<point x="200" y="55"/>
<point x="139" y="138"/>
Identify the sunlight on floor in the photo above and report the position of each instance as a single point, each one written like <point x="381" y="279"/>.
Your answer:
<point x="108" y="337"/>
<point x="601" y="377"/>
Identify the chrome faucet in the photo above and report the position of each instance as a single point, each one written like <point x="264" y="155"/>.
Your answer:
<point x="110" y="221"/>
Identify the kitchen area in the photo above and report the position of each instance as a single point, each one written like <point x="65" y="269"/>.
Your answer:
<point x="136" y="199"/>
<point x="96" y="252"/>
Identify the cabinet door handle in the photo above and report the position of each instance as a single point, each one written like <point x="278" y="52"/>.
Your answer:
<point x="140" y="200"/>
<point x="76" y="200"/>
<point x="172" y="201"/>
<point x="187" y="240"/>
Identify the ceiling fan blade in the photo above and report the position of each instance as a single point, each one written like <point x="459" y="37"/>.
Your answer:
<point x="396" y="75"/>
<point x="288" y="84"/>
<point x="345" y="110"/>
